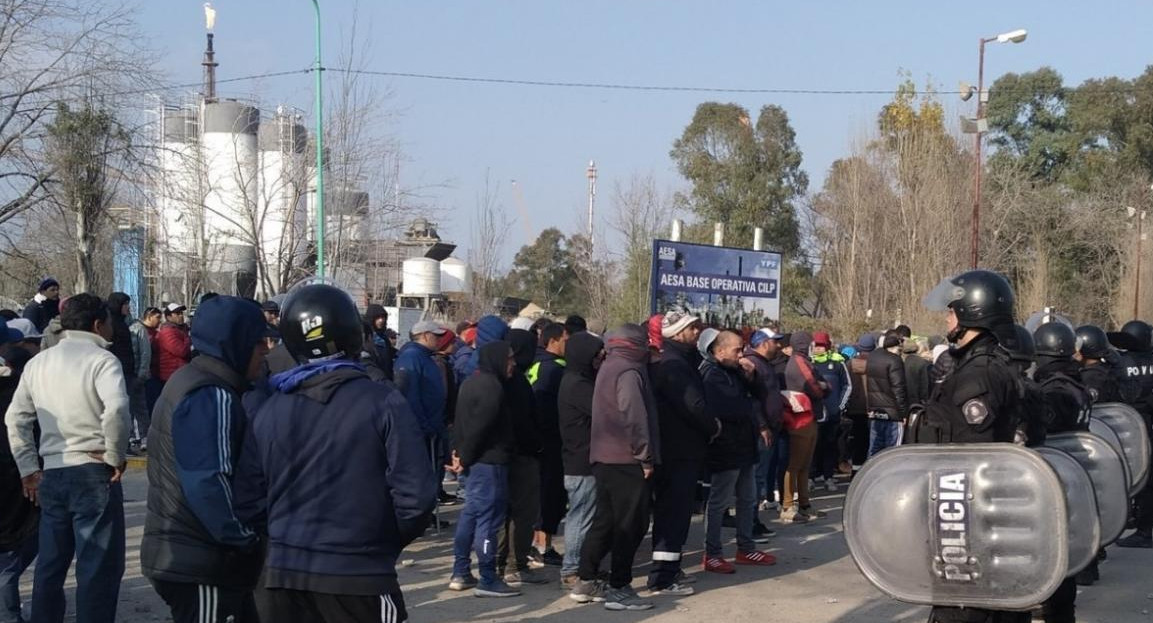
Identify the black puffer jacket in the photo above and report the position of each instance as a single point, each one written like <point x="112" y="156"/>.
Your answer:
<point x="483" y="430"/>
<point x="687" y="424"/>
<point x="521" y="398"/>
<point x="575" y="402"/>
<point x="19" y="518"/>
<point x="888" y="391"/>
<point x="729" y="398"/>
<point x="121" y="334"/>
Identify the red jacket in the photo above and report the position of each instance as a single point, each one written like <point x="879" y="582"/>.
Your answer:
<point x="173" y="349"/>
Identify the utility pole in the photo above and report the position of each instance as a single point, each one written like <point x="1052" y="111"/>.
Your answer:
<point x="592" y="175"/>
<point x="319" y="69"/>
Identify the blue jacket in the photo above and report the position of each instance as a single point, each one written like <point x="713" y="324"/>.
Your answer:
<point x="335" y="466"/>
<point x="834" y="369"/>
<point x="422" y="383"/>
<point x="488" y="330"/>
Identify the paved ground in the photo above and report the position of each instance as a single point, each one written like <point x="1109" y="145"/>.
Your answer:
<point x="814" y="581"/>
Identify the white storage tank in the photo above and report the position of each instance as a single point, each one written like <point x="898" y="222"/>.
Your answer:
<point x="230" y="154"/>
<point x="455" y="276"/>
<point x="420" y="276"/>
<point x="281" y="210"/>
<point x="180" y="190"/>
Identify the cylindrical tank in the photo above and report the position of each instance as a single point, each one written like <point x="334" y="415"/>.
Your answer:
<point x="180" y="193"/>
<point x="455" y="276"/>
<point x="230" y="203"/>
<point x="420" y="276"/>
<point x="345" y="214"/>
<point x="281" y="198"/>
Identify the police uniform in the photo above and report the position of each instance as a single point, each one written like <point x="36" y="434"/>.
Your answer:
<point x="1102" y="382"/>
<point x="1137" y="386"/>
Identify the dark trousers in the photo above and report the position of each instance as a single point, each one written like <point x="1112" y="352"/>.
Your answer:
<point x="825" y="454"/>
<point x="941" y="614"/>
<point x="282" y="605"/>
<point x="553" y="497"/>
<point x="778" y="464"/>
<point x="859" y="439"/>
<point x="1061" y="607"/>
<point x="523" y="510"/>
<point x="81" y="515"/>
<point x="674" y="486"/>
<point x="1143" y="517"/>
<point x="197" y="603"/>
<point x="480" y="521"/>
<point x="620" y="522"/>
<point x="152" y="389"/>
<point x="12" y="564"/>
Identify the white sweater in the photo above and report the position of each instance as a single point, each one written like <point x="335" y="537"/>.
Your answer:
<point x="76" y="391"/>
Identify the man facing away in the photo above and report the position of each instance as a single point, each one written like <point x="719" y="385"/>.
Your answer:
<point x="75" y="392"/>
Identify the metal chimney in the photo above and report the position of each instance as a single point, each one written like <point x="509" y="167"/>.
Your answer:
<point x="209" y="62"/>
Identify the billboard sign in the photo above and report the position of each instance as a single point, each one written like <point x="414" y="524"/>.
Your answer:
<point x="726" y="287"/>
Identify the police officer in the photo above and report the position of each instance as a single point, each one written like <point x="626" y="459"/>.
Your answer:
<point x="1068" y="403"/>
<point x="978" y="402"/>
<point x="1099" y="372"/>
<point x="1136" y="339"/>
<point x="1019" y="347"/>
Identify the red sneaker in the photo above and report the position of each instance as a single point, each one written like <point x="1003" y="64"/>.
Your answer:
<point x="760" y="559"/>
<point x="718" y="565"/>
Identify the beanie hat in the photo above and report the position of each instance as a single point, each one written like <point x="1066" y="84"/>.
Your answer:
<point x="47" y="282"/>
<point x="675" y="322"/>
<point x="821" y="338"/>
<point x="444" y="339"/>
<point x="867" y="343"/>
<point x="656" y="323"/>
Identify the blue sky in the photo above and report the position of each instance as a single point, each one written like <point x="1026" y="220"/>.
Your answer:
<point x="544" y="137"/>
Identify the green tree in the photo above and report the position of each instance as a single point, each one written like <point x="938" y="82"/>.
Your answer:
<point x="1028" y="124"/>
<point x="545" y="272"/>
<point x="744" y="175"/>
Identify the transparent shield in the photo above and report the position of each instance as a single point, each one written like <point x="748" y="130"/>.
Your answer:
<point x="1130" y="428"/>
<point x="976" y="522"/>
<point x="1081" y="506"/>
<point x="1106" y="432"/>
<point x="1036" y="319"/>
<point x="1106" y="469"/>
<point x="945" y="292"/>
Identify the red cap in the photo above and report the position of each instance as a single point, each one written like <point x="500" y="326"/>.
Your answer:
<point x="655" y="323"/>
<point x="820" y="338"/>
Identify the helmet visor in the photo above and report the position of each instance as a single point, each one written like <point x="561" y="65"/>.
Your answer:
<point x="940" y="297"/>
<point x="1036" y="319"/>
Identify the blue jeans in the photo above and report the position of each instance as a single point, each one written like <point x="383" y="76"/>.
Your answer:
<point x="582" y="505"/>
<point x="81" y="515"/>
<point x="12" y="564"/>
<point x="884" y="434"/>
<point x="480" y="521"/>
<point x="727" y="485"/>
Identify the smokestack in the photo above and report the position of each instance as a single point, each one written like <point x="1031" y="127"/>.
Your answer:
<point x="209" y="62"/>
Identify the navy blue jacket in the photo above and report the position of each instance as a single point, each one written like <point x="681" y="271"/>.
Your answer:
<point x="336" y="468"/>
<point x="422" y="383"/>
<point x="489" y="329"/>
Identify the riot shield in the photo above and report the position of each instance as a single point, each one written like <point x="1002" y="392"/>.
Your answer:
<point x="1038" y="318"/>
<point x="1080" y="505"/>
<point x="1106" y="469"/>
<point x="1134" y="436"/>
<point x="959" y="525"/>
<point x="1106" y="433"/>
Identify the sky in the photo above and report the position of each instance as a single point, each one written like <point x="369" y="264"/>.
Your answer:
<point x="455" y="135"/>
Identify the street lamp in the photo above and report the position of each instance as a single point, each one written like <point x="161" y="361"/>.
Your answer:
<point x="319" y="150"/>
<point x="1014" y="36"/>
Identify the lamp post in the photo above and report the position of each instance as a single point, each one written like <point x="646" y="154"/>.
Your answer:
<point x="319" y="150"/>
<point x="1015" y="36"/>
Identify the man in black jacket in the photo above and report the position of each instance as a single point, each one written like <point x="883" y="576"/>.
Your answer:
<point x="732" y="458"/>
<point x="45" y="305"/>
<point x="584" y="353"/>
<point x="686" y="426"/>
<point x="19" y="517"/>
<point x="377" y="343"/>
<point x="544" y="375"/>
<point x="484" y="440"/>
<point x="200" y="557"/>
<point x="887" y="394"/>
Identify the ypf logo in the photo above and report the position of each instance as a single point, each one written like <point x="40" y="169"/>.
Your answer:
<point x="313" y="328"/>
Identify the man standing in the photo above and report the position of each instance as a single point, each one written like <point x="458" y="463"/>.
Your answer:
<point x="887" y="394"/>
<point x="800" y="378"/>
<point x="333" y="465"/>
<point x="19" y="517"/>
<point x="379" y="345"/>
<point x="142" y="331"/>
<point x="585" y="352"/>
<point x="422" y="383"/>
<point x="545" y="375"/>
<point x="1136" y="339"/>
<point x="173" y="342"/>
<point x="75" y="393"/>
<point x="199" y="557"/>
<point x="119" y="311"/>
<point x="858" y="407"/>
<point x="686" y="428"/>
<point x="624" y="448"/>
<point x="830" y="367"/>
<point x="271" y="310"/>
<point x="762" y="350"/>
<point x="45" y="305"/>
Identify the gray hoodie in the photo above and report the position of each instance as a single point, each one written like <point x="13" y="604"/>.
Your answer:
<point x="624" y="417"/>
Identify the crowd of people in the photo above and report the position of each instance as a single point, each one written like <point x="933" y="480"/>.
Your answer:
<point x="291" y="461"/>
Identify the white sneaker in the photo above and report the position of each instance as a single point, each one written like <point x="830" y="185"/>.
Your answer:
<point x="830" y="485"/>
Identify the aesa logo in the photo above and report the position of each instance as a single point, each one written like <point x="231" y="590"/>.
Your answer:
<point x="313" y="328"/>
<point x="667" y="253"/>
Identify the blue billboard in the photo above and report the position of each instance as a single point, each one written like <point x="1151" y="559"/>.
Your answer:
<point x="726" y="287"/>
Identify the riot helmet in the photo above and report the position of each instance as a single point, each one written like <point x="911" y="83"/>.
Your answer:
<point x="1055" y="339"/>
<point x="1136" y="336"/>
<point x="1092" y="343"/>
<point x="1019" y="344"/>
<point x="320" y="321"/>
<point x="981" y="299"/>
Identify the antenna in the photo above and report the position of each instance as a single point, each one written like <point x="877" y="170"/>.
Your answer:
<point x="592" y="175"/>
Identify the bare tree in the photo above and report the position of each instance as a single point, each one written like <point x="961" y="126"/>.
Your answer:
<point x="490" y="229"/>
<point x="641" y="212"/>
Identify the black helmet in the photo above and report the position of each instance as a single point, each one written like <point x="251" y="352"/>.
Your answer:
<point x="981" y="299"/>
<point x="1136" y="336"/>
<point x="1055" y="339"/>
<point x="1019" y="344"/>
<point x="319" y="321"/>
<point x="1092" y="342"/>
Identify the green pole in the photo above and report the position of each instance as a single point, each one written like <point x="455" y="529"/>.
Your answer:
<point x="319" y="150"/>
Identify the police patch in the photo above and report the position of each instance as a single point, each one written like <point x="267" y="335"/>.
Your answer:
<point x="975" y="411"/>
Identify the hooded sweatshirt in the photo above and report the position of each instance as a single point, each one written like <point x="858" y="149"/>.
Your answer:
<point x="192" y="533"/>
<point x="520" y="398"/>
<point x="575" y="402"/>
<point x="121" y="335"/>
<point x="624" y="421"/>
<point x="483" y="429"/>
<point x="488" y="330"/>
<point x="335" y="464"/>
<point x="378" y="347"/>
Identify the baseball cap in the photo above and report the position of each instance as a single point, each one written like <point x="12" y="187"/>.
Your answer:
<point x="26" y="328"/>
<point x="675" y="322"/>
<point x="760" y="336"/>
<point x="271" y="306"/>
<point x="173" y="308"/>
<point x="9" y="335"/>
<point x="428" y="326"/>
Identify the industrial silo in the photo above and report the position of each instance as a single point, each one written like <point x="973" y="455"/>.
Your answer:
<point x="230" y="214"/>
<point x="282" y="217"/>
<point x="178" y="228"/>
<point x="420" y="277"/>
<point x="455" y="276"/>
